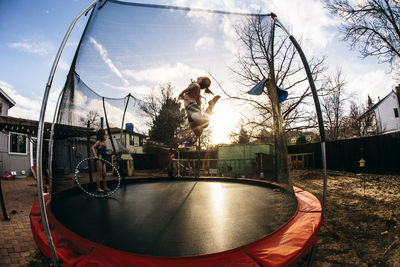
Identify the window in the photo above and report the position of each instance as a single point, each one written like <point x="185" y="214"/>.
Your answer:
<point x="396" y="112"/>
<point x="131" y="140"/>
<point x="136" y="141"/>
<point x="17" y="143"/>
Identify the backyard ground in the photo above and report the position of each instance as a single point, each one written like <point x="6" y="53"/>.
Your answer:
<point x="362" y="227"/>
<point x="359" y="230"/>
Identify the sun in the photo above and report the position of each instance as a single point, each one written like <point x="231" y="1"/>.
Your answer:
<point x="223" y="121"/>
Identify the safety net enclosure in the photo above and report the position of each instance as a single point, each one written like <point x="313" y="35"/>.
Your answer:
<point x="129" y="186"/>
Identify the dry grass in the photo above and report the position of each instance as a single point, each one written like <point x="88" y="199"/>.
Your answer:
<point x="362" y="223"/>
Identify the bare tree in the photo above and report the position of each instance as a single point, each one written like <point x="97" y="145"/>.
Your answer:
<point x="272" y="56"/>
<point x="371" y="26"/>
<point x="367" y="119"/>
<point x="333" y="105"/>
<point x="92" y="117"/>
<point x="353" y="122"/>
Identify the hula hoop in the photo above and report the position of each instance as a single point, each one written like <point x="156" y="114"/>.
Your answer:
<point x="89" y="193"/>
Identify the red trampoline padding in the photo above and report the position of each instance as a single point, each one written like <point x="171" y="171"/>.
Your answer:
<point x="284" y="247"/>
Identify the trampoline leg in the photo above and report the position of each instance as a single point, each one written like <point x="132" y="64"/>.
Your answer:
<point x="3" y="206"/>
<point x="309" y="257"/>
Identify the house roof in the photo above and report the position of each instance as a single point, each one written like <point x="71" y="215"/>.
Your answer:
<point x="30" y="127"/>
<point x="118" y="130"/>
<point x="369" y="110"/>
<point x="6" y="97"/>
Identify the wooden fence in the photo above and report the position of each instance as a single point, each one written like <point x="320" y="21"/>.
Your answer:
<point x="381" y="154"/>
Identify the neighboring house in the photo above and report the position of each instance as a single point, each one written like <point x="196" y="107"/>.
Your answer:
<point x="5" y="103"/>
<point x="127" y="141"/>
<point x="295" y="135"/>
<point x="18" y="142"/>
<point x="14" y="140"/>
<point x="386" y="113"/>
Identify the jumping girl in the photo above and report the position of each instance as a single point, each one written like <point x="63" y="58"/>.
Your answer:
<point x="192" y="103"/>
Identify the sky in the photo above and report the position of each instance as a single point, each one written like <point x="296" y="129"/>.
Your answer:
<point x="31" y="33"/>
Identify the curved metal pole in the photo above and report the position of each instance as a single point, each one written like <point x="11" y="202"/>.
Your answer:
<point x="51" y="141"/>
<point x="39" y="174"/>
<point x="317" y="106"/>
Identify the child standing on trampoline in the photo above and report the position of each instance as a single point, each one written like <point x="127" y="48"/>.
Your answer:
<point x="192" y="103"/>
<point x="99" y="151"/>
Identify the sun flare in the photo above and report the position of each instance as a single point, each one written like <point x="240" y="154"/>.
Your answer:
<point x="223" y="122"/>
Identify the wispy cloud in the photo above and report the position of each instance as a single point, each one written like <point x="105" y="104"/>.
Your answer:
<point x="33" y="47"/>
<point x="165" y="73"/>
<point x="28" y="107"/>
<point x="375" y="83"/>
<point x="104" y="55"/>
<point x="205" y="43"/>
<point x="25" y="107"/>
<point x="307" y="19"/>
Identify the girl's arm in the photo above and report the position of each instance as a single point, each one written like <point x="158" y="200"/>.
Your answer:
<point x="93" y="148"/>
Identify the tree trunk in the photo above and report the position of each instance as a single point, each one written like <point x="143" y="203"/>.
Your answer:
<point x="280" y="142"/>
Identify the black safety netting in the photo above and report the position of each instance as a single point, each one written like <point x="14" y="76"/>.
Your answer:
<point x="132" y="62"/>
<point x="128" y="54"/>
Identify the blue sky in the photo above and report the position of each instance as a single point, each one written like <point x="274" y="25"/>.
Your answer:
<point x="31" y="32"/>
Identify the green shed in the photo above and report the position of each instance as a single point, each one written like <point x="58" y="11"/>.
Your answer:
<point x="241" y="160"/>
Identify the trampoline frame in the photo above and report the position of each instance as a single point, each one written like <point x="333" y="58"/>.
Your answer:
<point x="40" y="134"/>
<point x="283" y="247"/>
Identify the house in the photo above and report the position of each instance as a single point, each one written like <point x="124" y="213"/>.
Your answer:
<point x="18" y="142"/>
<point x="294" y="136"/>
<point x="5" y="103"/>
<point x="127" y="141"/>
<point x="385" y="113"/>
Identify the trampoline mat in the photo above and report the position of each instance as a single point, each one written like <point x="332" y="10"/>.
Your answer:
<point x="177" y="217"/>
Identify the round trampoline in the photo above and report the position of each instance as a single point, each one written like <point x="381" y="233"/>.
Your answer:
<point x="121" y="113"/>
<point x="192" y="221"/>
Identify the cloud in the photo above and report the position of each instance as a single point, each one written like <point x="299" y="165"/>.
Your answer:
<point x="375" y="83"/>
<point x="205" y="43"/>
<point x="63" y="65"/>
<point x="104" y="55"/>
<point x="32" y="47"/>
<point x="24" y="107"/>
<point x="307" y="20"/>
<point x="167" y="73"/>
<point x="29" y="107"/>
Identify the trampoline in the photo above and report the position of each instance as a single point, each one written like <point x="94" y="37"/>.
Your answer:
<point x="184" y="221"/>
<point x="130" y="64"/>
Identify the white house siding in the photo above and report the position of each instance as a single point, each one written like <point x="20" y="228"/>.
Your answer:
<point x="133" y="149"/>
<point x="4" y="108"/>
<point x="13" y="162"/>
<point x="385" y="117"/>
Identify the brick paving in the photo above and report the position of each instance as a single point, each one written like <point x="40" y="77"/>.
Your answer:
<point x="17" y="247"/>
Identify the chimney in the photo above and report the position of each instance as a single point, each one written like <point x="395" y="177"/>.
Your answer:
<point x="397" y="90"/>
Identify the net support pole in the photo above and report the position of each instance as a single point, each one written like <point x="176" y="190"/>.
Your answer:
<point x="40" y="133"/>
<point x="122" y="123"/>
<point x="198" y="157"/>
<point x="89" y="153"/>
<point x="316" y="103"/>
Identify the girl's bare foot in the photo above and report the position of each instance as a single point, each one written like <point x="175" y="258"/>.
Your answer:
<point x="213" y="101"/>
<point x="99" y="190"/>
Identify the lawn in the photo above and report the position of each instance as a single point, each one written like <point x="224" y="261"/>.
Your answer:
<point x="362" y="218"/>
